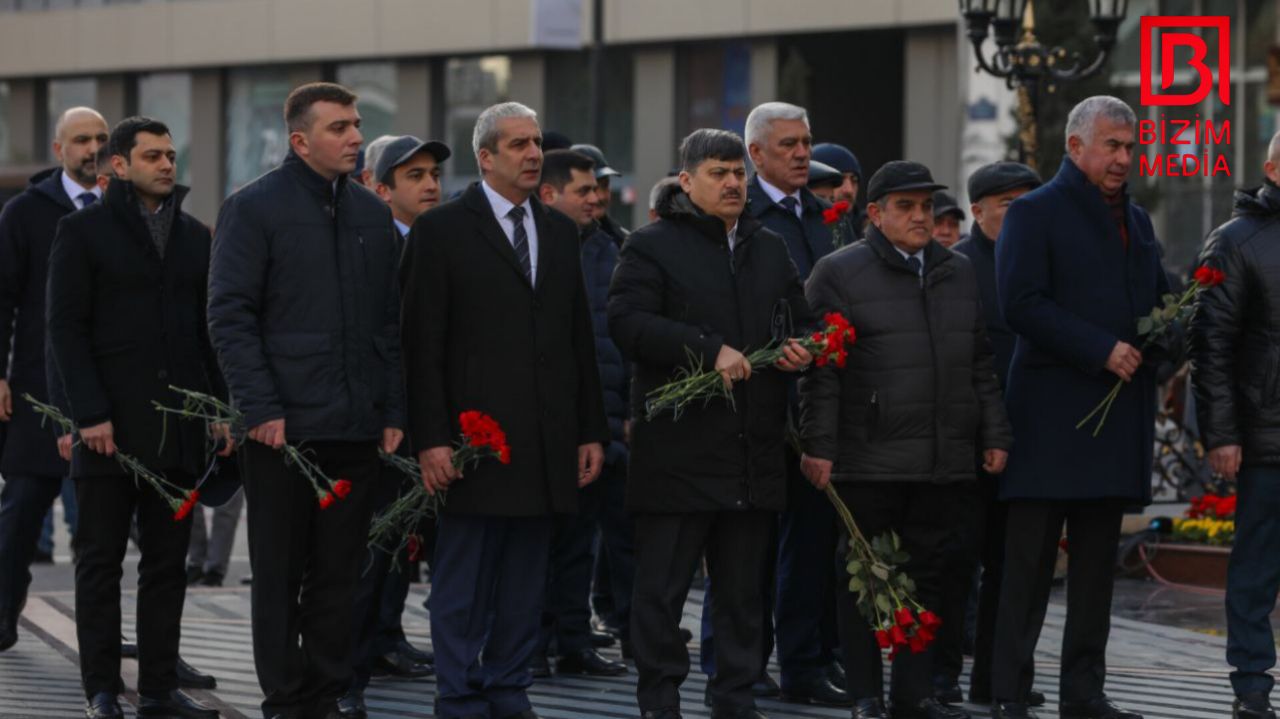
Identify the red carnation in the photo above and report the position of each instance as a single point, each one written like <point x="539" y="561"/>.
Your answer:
<point x="903" y="617"/>
<point x="924" y="633"/>
<point x="842" y="206"/>
<point x="917" y="643"/>
<point x="415" y="548"/>
<point x="504" y="454"/>
<point x="830" y="216"/>
<point x="185" y="509"/>
<point x="326" y="500"/>
<point x="930" y="621"/>
<point x="897" y="635"/>
<point x="342" y="488"/>
<point x="882" y="638"/>
<point x="1208" y="276"/>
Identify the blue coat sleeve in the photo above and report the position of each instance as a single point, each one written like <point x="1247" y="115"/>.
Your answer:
<point x="1024" y="283"/>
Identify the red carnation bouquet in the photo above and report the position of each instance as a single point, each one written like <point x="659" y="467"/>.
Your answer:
<point x="828" y="345"/>
<point x="396" y="527"/>
<point x="1172" y="309"/>
<point x="180" y="499"/>
<point x="834" y="217"/>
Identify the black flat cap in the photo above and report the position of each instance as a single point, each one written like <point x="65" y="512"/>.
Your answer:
<point x="1001" y="177"/>
<point x="820" y="173"/>
<point x="402" y="149"/>
<point x="944" y="203"/>
<point x="602" y="165"/>
<point x="901" y="176"/>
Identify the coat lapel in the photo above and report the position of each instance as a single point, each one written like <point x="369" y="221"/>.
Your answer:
<point x="490" y="229"/>
<point x="544" y="245"/>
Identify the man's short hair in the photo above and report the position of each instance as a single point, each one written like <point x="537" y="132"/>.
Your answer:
<point x="708" y="144"/>
<point x="102" y="161"/>
<point x="656" y="191"/>
<point x="486" y="133"/>
<point x="124" y="136"/>
<point x="558" y="167"/>
<point x="763" y="116"/>
<point x="1084" y="117"/>
<point x="297" y="107"/>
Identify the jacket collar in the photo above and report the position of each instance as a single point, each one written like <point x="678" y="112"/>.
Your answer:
<point x="1076" y="184"/>
<point x="936" y="257"/>
<point x="324" y="189"/>
<point x="475" y="200"/>
<point x="677" y="207"/>
<point x="122" y="201"/>
<point x="979" y="239"/>
<point x="48" y="184"/>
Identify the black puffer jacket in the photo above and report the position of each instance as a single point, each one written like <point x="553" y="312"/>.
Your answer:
<point x="303" y="307"/>
<point x="918" y="389"/>
<point x="1234" y="338"/>
<point x="678" y="292"/>
<point x="599" y="258"/>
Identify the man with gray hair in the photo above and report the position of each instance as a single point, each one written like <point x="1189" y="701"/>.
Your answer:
<point x="496" y="319"/>
<point x="1076" y="262"/>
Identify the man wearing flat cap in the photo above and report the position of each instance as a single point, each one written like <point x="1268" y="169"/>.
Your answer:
<point x="897" y="427"/>
<point x="980" y="538"/>
<point x="947" y="217"/>
<point x="407" y="177"/>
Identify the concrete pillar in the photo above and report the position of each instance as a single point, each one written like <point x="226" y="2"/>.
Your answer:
<point x="933" y="113"/>
<point x="25" y="134"/>
<point x="208" y="145"/>
<point x="764" y="71"/>
<point x="113" y="98"/>
<point x="528" y="81"/>
<point x="413" y="98"/>
<point x="654" y="136"/>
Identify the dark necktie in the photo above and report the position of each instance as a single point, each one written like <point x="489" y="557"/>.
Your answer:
<point x="789" y="204"/>
<point x="86" y="199"/>
<point x="520" y="241"/>
<point x="914" y="263"/>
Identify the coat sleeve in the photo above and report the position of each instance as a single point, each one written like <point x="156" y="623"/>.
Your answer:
<point x="996" y="432"/>
<point x="1213" y="340"/>
<point x="395" y="411"/>
<point x="217" y="384"/>
<point x="820" y="387"/>
<point x="424" y="332"/>
<point x="1024" y="283"/>
<point x="237" y="281"/>
<point x="636" y="323"/>
<point x="14" y="248"/>
<point x="593" y="424"/>
<point x="69" y="304"/>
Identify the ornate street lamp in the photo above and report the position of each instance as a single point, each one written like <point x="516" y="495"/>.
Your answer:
<point x="1029" y="67"/>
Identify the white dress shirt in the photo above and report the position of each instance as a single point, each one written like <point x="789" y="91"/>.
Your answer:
<point x="918" y="254"/>
<point x="776" y="195"/>
<point x="74" y="191"/>
<point x="501" y="206"/>
<point x="403" y="228"/>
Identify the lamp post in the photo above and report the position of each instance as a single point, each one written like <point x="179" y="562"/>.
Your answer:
<point x="1028" y="67"/>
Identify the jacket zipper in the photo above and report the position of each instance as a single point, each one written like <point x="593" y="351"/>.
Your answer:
<point x="937" y="385"/>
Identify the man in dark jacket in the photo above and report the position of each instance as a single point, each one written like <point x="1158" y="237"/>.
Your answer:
<point x="604" y="193"/>
<point x="569" y="186"/>
<point x="496" y="320"/>
<point x="779" y="141"/>
<point x="702" y="285"/>
<point x="126" y="319"/>
<point x="897" y="429"/>
<point x="304" y="314"/>
<point x="843" y="159"/>
<point x="29" y="459"/>
<point x="1234" y="370"/>
<point x="980" y="540"/>
<point x="1076" y="263"/>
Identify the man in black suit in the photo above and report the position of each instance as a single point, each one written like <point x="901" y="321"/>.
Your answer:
<point x="126" y="319"/>
<point x="29" y="459"/>
<point x="495" y="319"/>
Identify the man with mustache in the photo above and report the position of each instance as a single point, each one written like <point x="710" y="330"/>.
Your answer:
<point x="29" y="461"/>
<point x="897" y="429"/>
<point x="304" y="313"/>
<point x="700" y="286"/>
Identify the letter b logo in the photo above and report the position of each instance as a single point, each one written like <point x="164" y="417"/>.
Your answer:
<point x="1169" y="42"/>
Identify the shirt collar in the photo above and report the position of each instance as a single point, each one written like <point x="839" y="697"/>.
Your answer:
<point x="732" y="236"/>
<point x="776" y="195"/>
<point x="501" y="205"/>
<point x="74" y="190"/>
<point x="402" y="227"/>
<point x="918" y="254"/>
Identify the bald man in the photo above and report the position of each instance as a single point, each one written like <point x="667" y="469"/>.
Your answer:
<point x="29" y="459"/>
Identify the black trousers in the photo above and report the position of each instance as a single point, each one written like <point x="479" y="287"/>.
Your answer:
<point x="107" y="508"/>
<point x="1031" y="549"/>
<point x="668" y="549"/>
<point x="24" y="501"/>
<point x="306" y="562"/>
<point x="383" y="584"/>
<point x="924" y="515"/>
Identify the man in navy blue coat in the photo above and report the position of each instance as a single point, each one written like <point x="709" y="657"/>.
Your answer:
<point x="1076" y="263"/>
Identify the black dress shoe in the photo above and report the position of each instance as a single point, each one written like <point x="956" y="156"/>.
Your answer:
<point x="103" y="705"/>
<point x="1097" y="708"/>
<point x="1252" y="706"/>
<point x="539" y="666"/>
<point x="818" y="690"/>
<point x="738" y="713"/>
<point x="835" y="672"/>
<point x="662" y="714"/>
<point x="399" y="666"/>
<point x="414" y="653"/>
<point x="175" y="704"/>
<point x="928" y="709"/>
<point x="600" y="640"/>
<point x="590" y="663"/>
<point x="1011" y="710"/>
<point x="352" y="706"/>
<point x="948" y="693"/>
<point x="212" y="579"/>
<point x="765" y="687"/>
<point x="191" y="678"/>
<point x="869" y="709"/>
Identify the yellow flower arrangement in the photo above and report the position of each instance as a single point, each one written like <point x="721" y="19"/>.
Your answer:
<point x="1205" y="530"/>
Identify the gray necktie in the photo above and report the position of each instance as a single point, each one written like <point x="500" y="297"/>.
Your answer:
<point x="789" y="204"/>
<point x="520" y="241"/>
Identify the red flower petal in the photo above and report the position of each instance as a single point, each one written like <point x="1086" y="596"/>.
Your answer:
<point x="326" y="500"/>
<point x="903" y="617"/>
<point x="342" y="488"/>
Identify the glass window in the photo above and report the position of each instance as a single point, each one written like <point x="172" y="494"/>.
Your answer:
<point x="6" y="154"/>
<point x="66" y="94"/>
<point x="167" y="98"/>
<point x="471" y="85"/>
<point x="256" y="136"/>
<point x="713" y="86"/>
<point x="568" y="102"/>
<point x="375" y="83"/>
